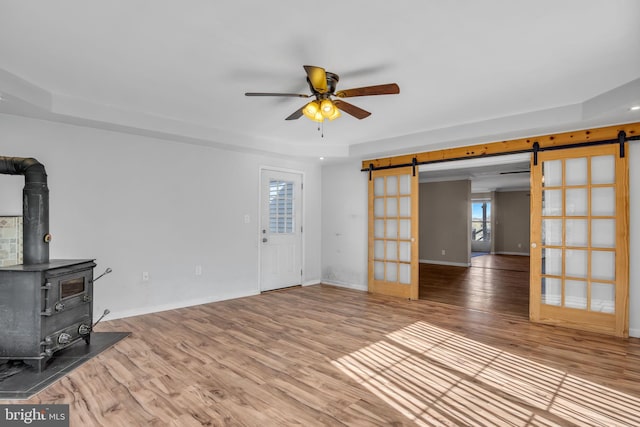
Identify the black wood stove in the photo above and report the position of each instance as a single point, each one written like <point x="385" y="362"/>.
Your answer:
<point x="44" y="308"/>
<point x="45" y="305"/>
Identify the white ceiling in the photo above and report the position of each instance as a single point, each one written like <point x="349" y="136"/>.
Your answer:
<point x="496" y="173"/>
<point x="469" y="71"/>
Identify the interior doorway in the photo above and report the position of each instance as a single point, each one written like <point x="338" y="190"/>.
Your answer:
<point x="486" y="266"/>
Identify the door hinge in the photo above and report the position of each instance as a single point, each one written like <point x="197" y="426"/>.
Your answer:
<point x="300" y="273"/>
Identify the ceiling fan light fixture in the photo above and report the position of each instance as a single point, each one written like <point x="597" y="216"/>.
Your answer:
<point x="334" y="115"/>
<point x="329" y="110"/>
<point x="312" y="110"/>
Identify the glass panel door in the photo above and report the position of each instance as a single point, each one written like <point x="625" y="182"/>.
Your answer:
<point x="579" y="250"/>
<point x="393" y="233"/>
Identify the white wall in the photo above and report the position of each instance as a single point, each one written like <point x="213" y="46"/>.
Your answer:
<point x="344" y="200"/>
<point x="138" y="204"/>
<point x="344" y="225"/>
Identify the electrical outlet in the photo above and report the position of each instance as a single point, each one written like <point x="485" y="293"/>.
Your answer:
<point x="444" y="252"/>
<point x="145" y="276"/>
<point x="198" y="270"/>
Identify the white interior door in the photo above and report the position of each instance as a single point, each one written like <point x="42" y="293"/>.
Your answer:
<point x="280" y="229"/>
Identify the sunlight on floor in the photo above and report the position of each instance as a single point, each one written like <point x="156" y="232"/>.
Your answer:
<point x="436" y="377"/>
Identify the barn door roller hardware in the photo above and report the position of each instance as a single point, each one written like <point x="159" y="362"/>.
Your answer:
<point x="536" y="148"/>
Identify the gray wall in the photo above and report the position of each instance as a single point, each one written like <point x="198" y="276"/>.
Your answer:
<point x="512" y="222"/>
<point x="444" y="222"/>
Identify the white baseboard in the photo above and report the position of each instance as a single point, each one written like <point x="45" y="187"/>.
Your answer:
<point x="346" y="285"/>
<point x="455" y="264"/>
<point x="312" y="282"/>
<point x="513" y="253"/>
<point x="634" y="333"/>
<point x="179" y="304"/>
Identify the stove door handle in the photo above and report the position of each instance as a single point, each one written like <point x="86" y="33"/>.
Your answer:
<point x="47" y="310"/>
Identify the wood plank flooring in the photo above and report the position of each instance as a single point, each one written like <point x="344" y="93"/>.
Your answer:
<point x="495" y="283"/>
<point x="322" y="355"/>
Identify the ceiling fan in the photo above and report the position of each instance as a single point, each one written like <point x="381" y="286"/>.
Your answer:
<point x="323" y="87"/>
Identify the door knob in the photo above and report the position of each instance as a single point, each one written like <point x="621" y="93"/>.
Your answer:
<point x="533" y="245"/>
<point x="264" y="240"/>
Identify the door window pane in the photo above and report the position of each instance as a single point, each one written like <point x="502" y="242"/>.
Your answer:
<point x="576" y="204"/>
<point x="603" y="297"/>
<point x="378" y="228"/>
<point x="405" y="274"/>
<point x="576" y="232"/>
<point x="392" y="251"/>
<point x="405" y="206"/>
<point x="378" y="270"/>
<point x="603" y="265"/>
<point x="392" y="185"/>
<point x="575" y="263"/>
<point x="405" y="251"/>
<point x="281" y="215"/>
<point x="603" y="201"/>
<point x="405" y="229"/>
<point x="575" y="294"/>
<point x="552" y="202"/>
<point x="378" y="249"/>
<point x="392" y="229"/>
<point x="552" y="261"/>
<point x="552" y="173"/>
<point x="378" y="207"/>
<point x="392" y="207"/>
<point x="405" y="184"/>
<point x="552" y="232"/>
<point x="551" y="291"/>
<point x="603" y="233"/>
<point x="392" y="272"/>
<point x="603" y="170"/>
<point x="576" y="171"/>
<point x="378" y="186"/>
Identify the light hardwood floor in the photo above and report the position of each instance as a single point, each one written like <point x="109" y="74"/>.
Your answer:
<point x="322" y="355"/>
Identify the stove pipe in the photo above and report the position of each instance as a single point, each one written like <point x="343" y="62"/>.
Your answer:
<point x="35" y="206"/>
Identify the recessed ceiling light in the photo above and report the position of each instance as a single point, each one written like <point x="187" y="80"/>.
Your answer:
<point x="635" y="108"/>
<point x="321" y="158"/>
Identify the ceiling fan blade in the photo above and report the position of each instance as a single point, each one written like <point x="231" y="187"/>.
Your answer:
<point x="387" y="89"/>
<point x="356" y="112"/>
<point x="296" y="115"/>
<point x="293" y="95"/>
<point x="317" y="78"/>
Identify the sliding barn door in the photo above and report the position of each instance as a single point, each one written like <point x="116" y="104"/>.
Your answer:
<point x="579" y="239"/>
<point x="393" y="232"/>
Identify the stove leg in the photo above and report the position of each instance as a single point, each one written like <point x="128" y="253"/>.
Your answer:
<point x="87" y="339"/>
<point x="37" y="364"/>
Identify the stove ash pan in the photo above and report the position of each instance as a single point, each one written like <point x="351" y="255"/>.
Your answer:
<point x="45" y="308"/>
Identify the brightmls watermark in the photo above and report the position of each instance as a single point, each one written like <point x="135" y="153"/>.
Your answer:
<point x="34" y="415"/>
